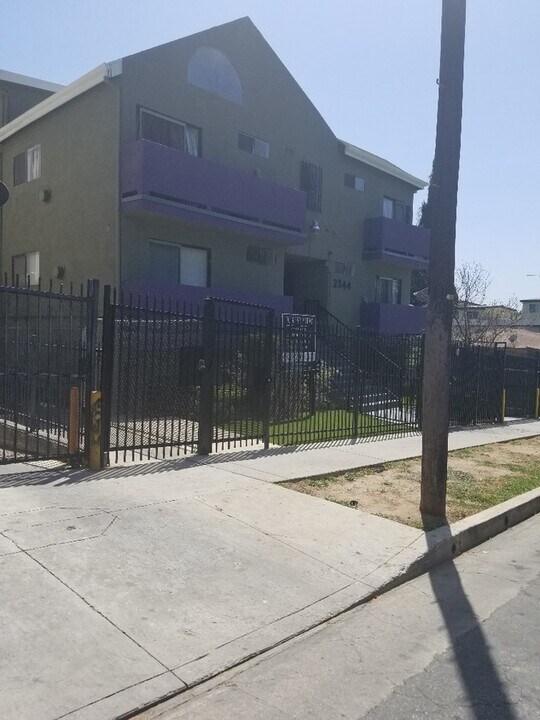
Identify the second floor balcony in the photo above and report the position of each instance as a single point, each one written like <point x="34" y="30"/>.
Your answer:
<point x="160" y="179"/>
<point x="393" y="240"/>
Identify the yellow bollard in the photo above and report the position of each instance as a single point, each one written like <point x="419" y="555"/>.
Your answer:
<point x="95" y="432"/>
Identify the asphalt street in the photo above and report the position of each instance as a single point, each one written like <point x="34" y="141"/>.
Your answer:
<point x="459" y="643"/>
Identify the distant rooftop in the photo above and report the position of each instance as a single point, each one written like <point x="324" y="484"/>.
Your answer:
<point x="18" y="79"/>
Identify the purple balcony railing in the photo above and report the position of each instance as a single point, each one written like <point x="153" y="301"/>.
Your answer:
<point x="163" y="180"/>
<point x="386" y="239"/>
<point x="387" y="318"/>
<point x="195" y="296"/>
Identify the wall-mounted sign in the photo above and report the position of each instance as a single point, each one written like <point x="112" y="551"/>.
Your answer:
<point x="299" y="337"/>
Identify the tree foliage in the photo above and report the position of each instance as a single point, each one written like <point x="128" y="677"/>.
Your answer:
<point x="476" y="321"/>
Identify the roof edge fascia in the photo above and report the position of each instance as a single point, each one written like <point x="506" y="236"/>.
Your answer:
<point x="381" y="164"/>
<point x="61" y="97"/>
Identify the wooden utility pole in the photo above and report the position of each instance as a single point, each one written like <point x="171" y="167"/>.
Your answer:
<point x="442" y="202"/>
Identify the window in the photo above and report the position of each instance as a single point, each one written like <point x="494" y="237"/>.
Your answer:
<point x="254" y="145"/>
<point x="27" y="165"/>
<point x="532" y="308"/>
<point x="311" y="183"/>
<point x="473" y="314"/>
<point x="388" y="290"/>
<point x="397" y="210"/>
<point x="181" y="264"/>
<point x="211" y="70"/>
<point x="25" y="268"/>
<point x="260" y="255"/>
<point x="170" y="132"/>
<point x="355" y="182"/>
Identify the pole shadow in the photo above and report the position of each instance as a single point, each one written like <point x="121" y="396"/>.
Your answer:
<point x="487" y="695"/>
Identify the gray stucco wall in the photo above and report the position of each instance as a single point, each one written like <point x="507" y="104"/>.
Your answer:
<point x="16" y="99"/>
<point x="77" y="228"/>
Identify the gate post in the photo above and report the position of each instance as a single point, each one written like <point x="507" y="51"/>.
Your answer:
<point x="503" y="384"/>
<point x="92" y="294"/>
<point x="356" y="382"/>
<point x="266" y="399"/>
<point x="107" y="364"/>
<point x="206" y="368"/>
<point x="420" y="382"/>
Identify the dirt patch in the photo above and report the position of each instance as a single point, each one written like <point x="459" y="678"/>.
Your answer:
<point x="477" y="478"/>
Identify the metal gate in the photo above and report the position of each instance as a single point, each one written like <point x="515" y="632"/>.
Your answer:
<point x="46" y="371"/>
<point x="150" y="377"/>
<point x="235" y="384"/>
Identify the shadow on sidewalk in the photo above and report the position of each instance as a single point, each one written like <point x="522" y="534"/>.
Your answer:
<point x="487" y="698"/>
<point x="141" y="466"/>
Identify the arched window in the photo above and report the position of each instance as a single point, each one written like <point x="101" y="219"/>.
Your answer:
<point x="211" y="70"/>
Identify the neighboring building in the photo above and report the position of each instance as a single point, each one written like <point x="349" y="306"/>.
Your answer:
<point x="202" y="164"/>
<point x="18" y="93"/>
<point x="530" y="314"/>
<point x="474" y="322"/>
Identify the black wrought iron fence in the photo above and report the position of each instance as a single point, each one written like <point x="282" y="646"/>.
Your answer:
<point x="522" y="382"/>
<point x="150" y="376"/>
<point x="477" y="384"/>
<point x="46" y="369"/>
<point x="181" y="379"/>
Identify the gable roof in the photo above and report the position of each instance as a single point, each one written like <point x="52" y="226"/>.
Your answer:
<point x="61" y="97"/>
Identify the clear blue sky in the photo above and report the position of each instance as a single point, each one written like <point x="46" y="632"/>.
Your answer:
<point x="370" y="67"/>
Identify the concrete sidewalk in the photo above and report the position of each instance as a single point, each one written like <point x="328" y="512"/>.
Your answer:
<point x="124" y="586"/>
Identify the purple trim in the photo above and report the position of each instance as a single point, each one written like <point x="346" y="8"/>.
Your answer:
<point x="164" y="180"/>
<point x="195" y="296"/>
<point x="386" y="318"/>
<point x="386" y="239"/>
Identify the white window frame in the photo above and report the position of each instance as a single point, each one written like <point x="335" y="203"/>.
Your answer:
<point x="396" y="290"/>
<point x="389" y="205"/>
<point x="259" y="147"/>
<point x="186" y="126"/>
<point x="31" y="268"/>
<point x="179" y="246"/>
<point x="358" y="183"/>
<point x="32" y="164"/>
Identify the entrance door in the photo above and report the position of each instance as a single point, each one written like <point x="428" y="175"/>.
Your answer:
<point x="306" y="279"/>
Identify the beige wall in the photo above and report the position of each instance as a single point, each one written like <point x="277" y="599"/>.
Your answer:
<point x="77" y="228"/>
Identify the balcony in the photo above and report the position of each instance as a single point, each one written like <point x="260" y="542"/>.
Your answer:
<point x="386" y="239"/>
<point x="159" y="179"/>
<point x="387" y="318"/>
<point x="193" y="297"/>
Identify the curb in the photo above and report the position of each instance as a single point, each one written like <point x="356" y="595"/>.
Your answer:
<point x="428" y="551"/>
<point x="450" y="541"/>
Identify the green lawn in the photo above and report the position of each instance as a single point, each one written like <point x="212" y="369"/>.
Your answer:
<point x="318" y="427"/>
<point x="331" y="425"/>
